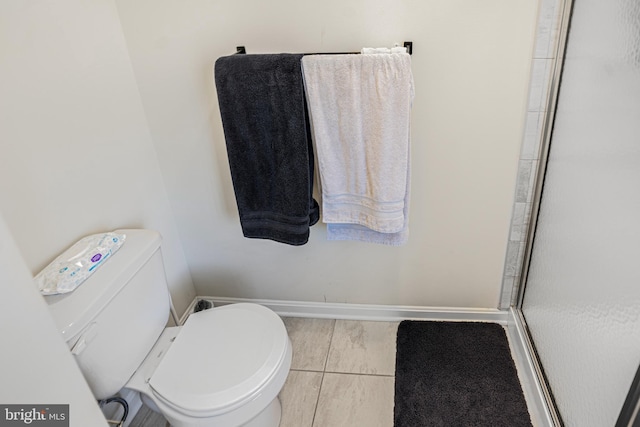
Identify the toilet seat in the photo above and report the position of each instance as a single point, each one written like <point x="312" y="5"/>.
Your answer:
<point x="221" y="359"/>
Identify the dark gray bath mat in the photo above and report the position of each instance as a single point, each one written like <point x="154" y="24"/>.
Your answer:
<point x="454" y="374"/>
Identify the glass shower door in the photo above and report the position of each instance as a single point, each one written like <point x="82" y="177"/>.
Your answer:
<point x="582" y="296"/>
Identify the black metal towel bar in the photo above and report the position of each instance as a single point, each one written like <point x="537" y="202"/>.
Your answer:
<point x="408" y="45"/>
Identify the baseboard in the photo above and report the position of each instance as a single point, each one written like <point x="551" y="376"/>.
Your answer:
<point x="189" y="310"/>
<point x="531" y="386"/>
<point x="364" y="311"/>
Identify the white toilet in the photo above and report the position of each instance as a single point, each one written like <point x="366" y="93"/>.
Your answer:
<point x="224" y="367"/>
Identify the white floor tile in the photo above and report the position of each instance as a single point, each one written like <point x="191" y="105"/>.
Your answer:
<point x="361" y="347"/>
<point x="299" y="397"/>
<point x="355" y="401"/>
<point x="310" y="339"/>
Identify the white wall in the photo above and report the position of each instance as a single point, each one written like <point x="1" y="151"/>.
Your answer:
<point x="35" y="364"/>
<point x="471" y="66"/>
<point x="76" y="155"/>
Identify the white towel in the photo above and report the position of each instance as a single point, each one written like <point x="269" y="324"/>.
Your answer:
<point x="383" y="50"/>
<point x="360" y="112"/>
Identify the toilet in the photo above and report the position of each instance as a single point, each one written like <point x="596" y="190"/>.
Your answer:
<point x="223" y="368"/>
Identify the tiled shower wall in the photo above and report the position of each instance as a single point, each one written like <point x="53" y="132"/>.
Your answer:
<point x="544" y="56"/>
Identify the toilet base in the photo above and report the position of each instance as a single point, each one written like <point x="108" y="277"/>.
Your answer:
<point x="269" y="417"/>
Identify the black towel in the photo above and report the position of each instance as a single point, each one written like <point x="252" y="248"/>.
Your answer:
<point x="266" y="128"/>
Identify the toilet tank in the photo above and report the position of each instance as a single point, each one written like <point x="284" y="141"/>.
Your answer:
<point x="111" y="321"/>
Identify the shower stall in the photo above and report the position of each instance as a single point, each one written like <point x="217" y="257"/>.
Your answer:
<point x="578" y="300"/>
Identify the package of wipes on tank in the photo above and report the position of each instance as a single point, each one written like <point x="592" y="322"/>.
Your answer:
<point x="76" y="264"/>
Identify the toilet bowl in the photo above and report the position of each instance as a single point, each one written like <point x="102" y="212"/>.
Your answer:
<point x="224" y="367"/>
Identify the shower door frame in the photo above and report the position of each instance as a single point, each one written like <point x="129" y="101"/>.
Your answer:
<point x="550" y="412"/>
<point x="630" y="413"/>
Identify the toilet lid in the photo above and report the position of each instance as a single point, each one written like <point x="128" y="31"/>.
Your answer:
<point x="220" y="359"/>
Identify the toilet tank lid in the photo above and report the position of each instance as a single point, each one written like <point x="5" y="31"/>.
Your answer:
<point x="75" y="310"/>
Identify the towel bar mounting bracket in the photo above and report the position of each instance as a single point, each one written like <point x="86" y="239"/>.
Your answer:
<point x="409" y="46"/>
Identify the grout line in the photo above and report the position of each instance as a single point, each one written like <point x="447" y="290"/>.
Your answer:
<point x="360" y="374"/>
<point x="326" y="359"/>
<point x="315" y="410"/>
<point x="307" y="370"/>
<point x="345" y="373"/>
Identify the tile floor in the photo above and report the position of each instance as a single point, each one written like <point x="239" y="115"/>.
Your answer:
<point x="342" y="375"/>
